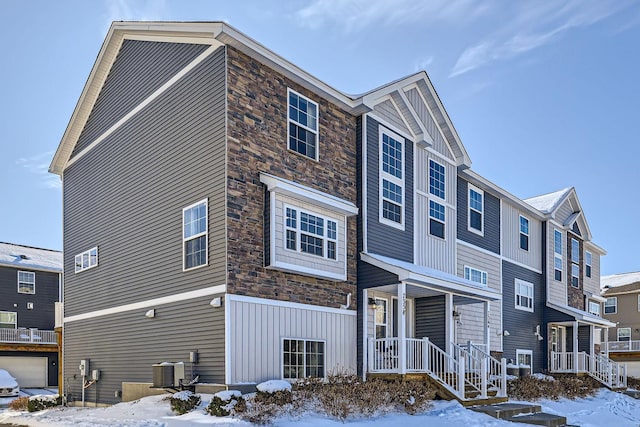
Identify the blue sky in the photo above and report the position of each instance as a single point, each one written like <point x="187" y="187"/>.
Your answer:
<point x="544" y="95"/>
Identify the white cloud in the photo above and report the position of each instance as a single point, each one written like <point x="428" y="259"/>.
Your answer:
<point x="423" y="64"/>
<point x="39" y="166"/>
<point x="530" y="26"/>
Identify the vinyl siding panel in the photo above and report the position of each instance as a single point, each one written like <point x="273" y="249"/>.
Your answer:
<point x="432" y="251"/>
<point x="564" y="212"/>
<point x="556" y="290"/>
<point x="584" y="339"/>
<point x="490" y="240"/>
<point x="258" y="329"/>
<point x="406" y="113"/>
<point x="511" y="237"/>
<point x="127" y="194"/>
<point x="522" y="324"/>
<point x="430" y="319"/>
<point x="140" y="68"/>
<point x="592" y="284"/>
<point x="124" y="346"/>
<point x="43" y="314"/>
<point x="384" y="239"/>
<point x="626" y="316"/>
<point x="472" y="315"/>
<point x="387" y="111"/>
<point x="422" y="111"/>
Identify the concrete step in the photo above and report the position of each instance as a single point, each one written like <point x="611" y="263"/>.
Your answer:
<point x="507" y="410"/>
<point x="632" y="393"/>
<point x="540" y="419"/>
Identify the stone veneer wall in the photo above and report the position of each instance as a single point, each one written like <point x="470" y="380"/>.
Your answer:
<point x="257" y="142"/>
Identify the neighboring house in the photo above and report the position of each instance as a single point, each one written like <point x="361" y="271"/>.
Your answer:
<point x="622" y="307"/>
<point x="30" y="287"/>
<point x="225" y="209"/>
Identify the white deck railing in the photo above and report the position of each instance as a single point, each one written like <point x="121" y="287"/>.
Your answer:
<point x="614" y="346"/>
<point x="603" y="369"/>
<point x="474" y="369"/>
<point x="27" y="336"/>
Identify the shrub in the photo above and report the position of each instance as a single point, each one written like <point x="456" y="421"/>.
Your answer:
<point x="40" y="402"/>
<point x="633" y="383"/>
<point x="19" y="404"/>
<point x="224" y="402"/>
<point x="537" y="387"/>
<point x="184" y="401"/>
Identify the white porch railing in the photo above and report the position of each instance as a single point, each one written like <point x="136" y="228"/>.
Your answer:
<point x="27" y="336"/>
<point x="603" y="369"/>
<point x="614" y="346"/>
<point x="474" y="368"/>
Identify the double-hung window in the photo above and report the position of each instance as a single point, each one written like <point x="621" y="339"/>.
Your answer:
<point x="594" y="308"/>
<point x="475" y="275"/>
<point x="436" y="219"/>
<point x="476" y="209"/>
<point x="195" y="235"/>
<point x="391" y="179"/>
<point x="437" y="188"/>
<point x="524" y="358"/>
<point x="611" y="305"/>
<point x="26" y="282"/>
<point x="303" y="358"/>
<point x="587" y="263"/>
<point x="524" y="295"/>
<point x="437" y="179"/>
<point x="86" y="260"/>
<point x="311" y="234"/>
<point x="303" y="125"/>
<point x="557" y="255"/>
<point x="381" y="318"/>
<point x="575" y="263"/>
<point x="624" y="334"/>
<point x="524" y="233"/>
<point x="8" y="319"/>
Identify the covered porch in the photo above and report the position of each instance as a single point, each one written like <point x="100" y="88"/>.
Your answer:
<point x="415" y="326"/>
<point x="575" y="346"/>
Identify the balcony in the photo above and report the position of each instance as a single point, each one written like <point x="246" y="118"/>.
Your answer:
<point x="621" y="346"/>
<point x="27" y="336"/>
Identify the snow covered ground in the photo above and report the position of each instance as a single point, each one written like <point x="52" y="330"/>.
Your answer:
<point x="605" y="409"/>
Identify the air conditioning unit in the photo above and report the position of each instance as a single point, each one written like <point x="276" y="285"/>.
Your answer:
<point x="168" y="374"/>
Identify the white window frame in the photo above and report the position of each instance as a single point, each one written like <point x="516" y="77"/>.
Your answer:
<point x="524" y="352"/>
<point x="196" y="236"/>
<point x="615" y="305"/>
<point x="527" y="234"/>
<point x="638" y="303"/>
<point x="31" y="282"/>
<point x="443" y="222"/>
<point x="484" y="277"/>
<point x="444" y="180"/>
<point x="307" y="128"/>
<point x="588" y="259"/>
<point x="325" y="232"/>
<point x="91" y="258"/>
<point x="592" y="309"/>
<point x="620" y="330"/>
<point x="384" y="176"/>
<point x="375" y="317"/>
<point x="15" y="315"/>
<point x="469" y="209"/>
<point x="557" y="256"/>
<point x="304" y="356"/>
<point x="519" y="296"/>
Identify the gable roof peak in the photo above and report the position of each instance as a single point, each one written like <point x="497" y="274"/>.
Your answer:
<point x="548" y="203"/>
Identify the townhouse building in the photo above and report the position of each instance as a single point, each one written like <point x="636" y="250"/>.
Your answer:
<point x="225" y="209"/>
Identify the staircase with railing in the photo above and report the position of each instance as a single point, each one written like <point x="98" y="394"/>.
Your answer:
<point x="468" y="374"/>
<point x="603" y="369"/>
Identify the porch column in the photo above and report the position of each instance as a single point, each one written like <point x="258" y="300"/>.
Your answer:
<point x="606" y="341"/>
<point x="575" y="346"/>
<point x="487" y="334"/>
<point x="448" y="327"/>
<point x="592" y="343"/>
<point x="402" y="327"/>
<point x="365" y="343"/>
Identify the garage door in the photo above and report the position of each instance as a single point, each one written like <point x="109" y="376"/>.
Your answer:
<point x="29" y="371"/>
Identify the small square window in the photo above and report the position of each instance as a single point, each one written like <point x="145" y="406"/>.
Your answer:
<point x="594" y="308"/>
<point x="524" y="295"/>
<point x="611" y="305"/>
<point x="26" y="282"/>
<point x="303" y="359"/>
<point x="8" y="319"/>
<point x="624" y="334"/>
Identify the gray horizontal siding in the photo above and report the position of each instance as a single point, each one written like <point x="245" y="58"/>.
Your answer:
<point x="430" y="319"/>
<point x="383" y="239"/>
<point x="124" y="346"/>
<point x="522" y="324"/>
<point x="43" y="314"/>
<point x="491" y="227"/>
<point x="140" y="68"/>
<point x="127" y="194"/>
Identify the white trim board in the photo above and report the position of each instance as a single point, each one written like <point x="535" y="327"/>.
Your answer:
<point x="212" y="290"/>
<point x="277" y="303"/>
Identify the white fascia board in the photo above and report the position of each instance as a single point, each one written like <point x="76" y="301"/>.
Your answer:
<point x="32" y="268"/>
<point x="310" y="195"/>
<point x="306" y="271"/>
<point x="595" y="248"/>
<point x="581" y="316"/>
<point x="288" y="304"/>
<point x="487" y="185"/>
<point x="597" y="298"/>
